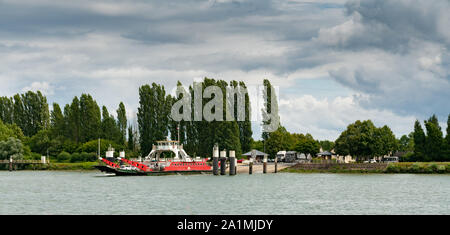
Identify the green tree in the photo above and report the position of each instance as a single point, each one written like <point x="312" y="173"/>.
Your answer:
<point x="131" y="143"/>
<point x="109" y="129"/>
<point x="385" y="140"/>
<point x="270" y="109"/>
<point x="245" y="127"/>
<point x="6" y="110"/>
<point x="419" y="142"/>
<point x="359" y="140"/>
<point x="72" y="115"/>
<point x="434" y="140"/>
<point x="406" y="143"/>
<point x="10" y="130"/>
<point x="122" y="122"/>
<point x="277" y="141"/>
<point x="152" y="116"/>
<point x="57" y="121"/>
<point x="306" y="144"/>
<point x="446" y="152"/>
<point x="90" y="118"/>
<point x="12" y="147"/>
<point x="326" y="145"/>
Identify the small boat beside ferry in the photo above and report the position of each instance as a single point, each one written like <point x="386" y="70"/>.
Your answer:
<point x="154" y="163"/>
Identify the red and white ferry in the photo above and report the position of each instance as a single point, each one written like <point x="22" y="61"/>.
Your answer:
<point x="153" y="163"/>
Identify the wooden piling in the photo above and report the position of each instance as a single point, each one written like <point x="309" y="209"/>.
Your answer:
<point x="265" y="165"/>
<point x="223" y="162"/>
<point x="216" y="160"/>
<point x="250" y="166"/>
<point x="276" y="165"/>
<point x="10" y="164"/>
<point x="232" y="155"/>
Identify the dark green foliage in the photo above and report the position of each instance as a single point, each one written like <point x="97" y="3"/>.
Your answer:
<point x="434" y="140"/>
<point x="269" y="109"/>
<point x="131" y="144"/>
<point x="419" y="142"/>
<point x="430" y="146"/>
<point x="109" y="129"/>
<point x="326" y="145"/>
<point x="153" y="116"/>
<point x="29" y="111"/>
<point x="10" y="130"/>
<point x="306" y="144"/>
<point x="90" y="118"/>
<point x="278" y="140"/>
<point x="12" y="147"/>
<point x="72" y="116"/>
<point x="6" y="110"/>
<point x="245" y="127"/>
<point x="406" y="143"/>
<point x="363" y="140"/>
<point x="446" y="150"/>
<point x="63" y="157"/>
<point x="122" y="123"/>
<point x="92" y="146"/>
<point x="57" y="122"/>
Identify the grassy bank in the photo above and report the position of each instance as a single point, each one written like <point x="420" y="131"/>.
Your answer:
<point x="81" y="166"/>
<point x="400" y="167"/>
<point x="419" y="167"/>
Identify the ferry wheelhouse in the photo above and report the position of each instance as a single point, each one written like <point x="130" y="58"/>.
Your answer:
<point x="166" y="157"/>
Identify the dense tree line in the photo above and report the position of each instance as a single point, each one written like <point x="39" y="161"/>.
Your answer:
<point x="27" y="119"/>
<point x="363" y="140"/>
<point x="198" y="136"/>
<point x="430" y="145"/>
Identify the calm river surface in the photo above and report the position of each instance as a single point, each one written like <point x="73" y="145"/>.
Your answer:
<point x="44" y="192"/>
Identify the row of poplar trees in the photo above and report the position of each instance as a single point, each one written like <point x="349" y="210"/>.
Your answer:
<point x="430" y="145"/>
<point x="198" y="137"/>
<point x="80" y="122"/>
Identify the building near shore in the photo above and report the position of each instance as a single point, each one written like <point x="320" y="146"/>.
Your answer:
<point x="328" y="156"/>
<point x="259" y="155"/>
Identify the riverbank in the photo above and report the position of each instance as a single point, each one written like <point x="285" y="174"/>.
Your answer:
<point x="400" y="167"/>
<point x="78" y="166"/>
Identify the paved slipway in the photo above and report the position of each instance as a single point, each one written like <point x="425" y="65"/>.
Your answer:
<point x="258" y="168"/>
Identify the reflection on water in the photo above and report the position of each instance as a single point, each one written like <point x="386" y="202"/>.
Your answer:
<point x="40" y="192"/>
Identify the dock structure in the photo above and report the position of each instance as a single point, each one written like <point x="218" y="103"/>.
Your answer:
<point x="233" y="162"/>
<point x="13" y="164"/>
<point x="216" y="160"/>
<point x="223" y="162"/>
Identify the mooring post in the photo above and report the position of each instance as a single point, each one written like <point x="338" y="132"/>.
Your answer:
<point x="250" y="166"/>
<point x="265" y="164"/>
<point x="10" y="164"/>
<point x="216" y="160"/>
<point x="232" y="162"/>
<point x="276" y="160"/>
<point x="223" y="162"/>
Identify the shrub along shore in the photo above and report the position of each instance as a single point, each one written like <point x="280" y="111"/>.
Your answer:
<point x="78" y="166"/>
<point x="400" y="167"/>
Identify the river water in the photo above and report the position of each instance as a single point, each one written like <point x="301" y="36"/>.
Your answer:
<point x="46" y="192"/>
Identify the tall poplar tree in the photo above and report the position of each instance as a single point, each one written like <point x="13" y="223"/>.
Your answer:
<point x="122" y="122"/>
<point x="90" y="118"/>
<point x="6" y="109"/>
<point x="419" y="142"/>
<point x="152" y="116"/>
<point x="434" y="140"/>
<point x="57" y="121"/>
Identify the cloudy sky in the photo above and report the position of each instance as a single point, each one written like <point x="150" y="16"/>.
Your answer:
<point x="334" y="61"/>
